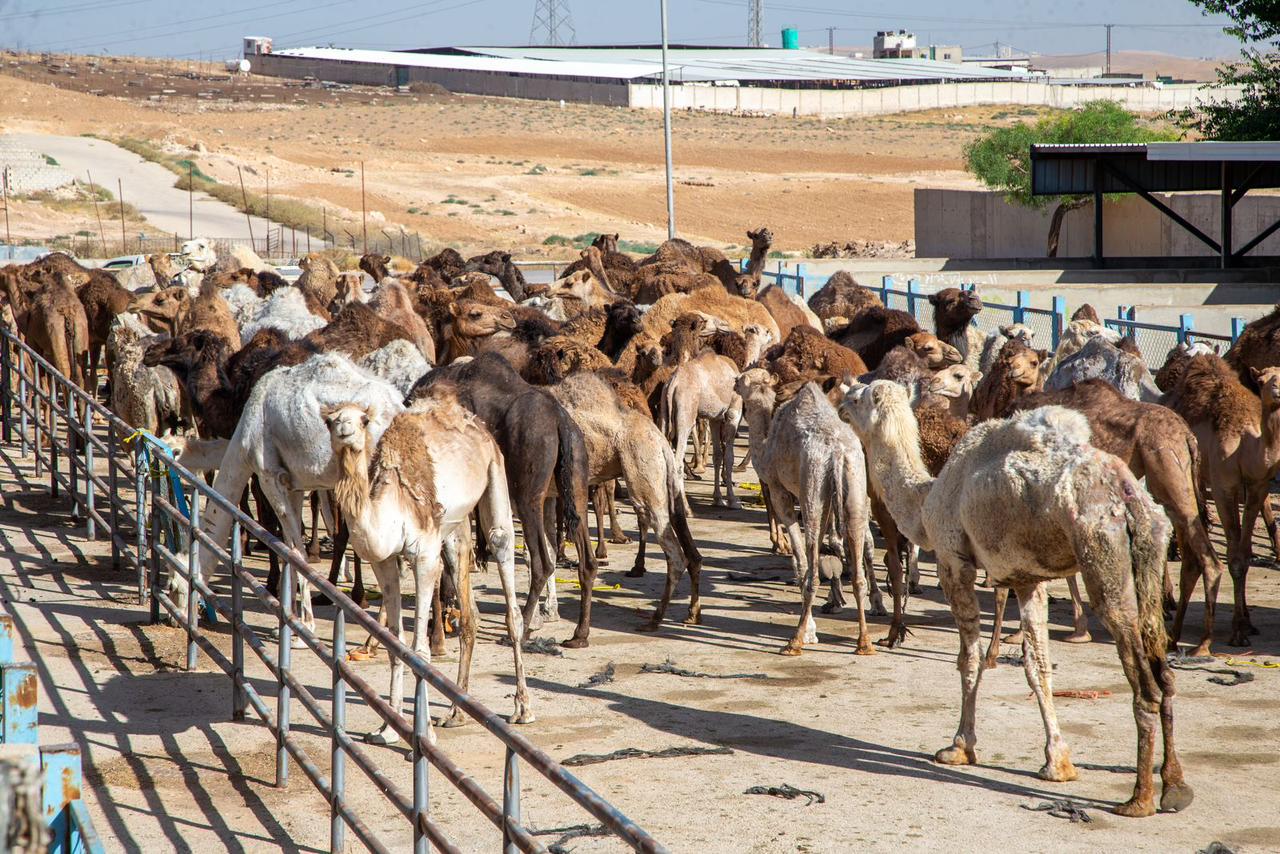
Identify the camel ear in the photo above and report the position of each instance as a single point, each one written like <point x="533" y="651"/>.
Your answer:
<point x="977" y="377"/>
<point x="933" y="299"/>
<point x="1217" y="349"/>
<point x="1007" y="330"/>
<point x="1256" y="374"/>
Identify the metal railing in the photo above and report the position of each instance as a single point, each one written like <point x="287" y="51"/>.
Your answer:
<point x="1155" y="340"/>
<point x="150" y="507"/>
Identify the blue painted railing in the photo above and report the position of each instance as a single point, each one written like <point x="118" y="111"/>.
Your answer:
<point x="70" y="828"/>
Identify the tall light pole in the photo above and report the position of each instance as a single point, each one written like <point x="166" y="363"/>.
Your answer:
<point x="666" y="127"/>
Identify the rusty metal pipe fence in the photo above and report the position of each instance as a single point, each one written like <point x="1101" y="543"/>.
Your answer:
<point x="150" y="508"/>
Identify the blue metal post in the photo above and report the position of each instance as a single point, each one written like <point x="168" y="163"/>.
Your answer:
<point x="239" y="701"/>
<point x="913" y="286"/>
<point x="91" y="529"/>
<point x="800" y="280"/>
<point x="193" y="575"/>
<point x="1131" y="313"/>
<point x="6" y="390"/>
<point x="1237" y="328"/>
<point x="62" y="783"/>
<point x="1023" y="302"/>
<point x="19" y="692"/>
<point x="1184" y="327"/>
<point x="886" y="282"/>
<point x="1059" y="319"/>
<point x="140" y="518"/>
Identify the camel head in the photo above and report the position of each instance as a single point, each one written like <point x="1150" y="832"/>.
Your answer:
<point x="761" y="238"/>
<point x="350" y="288"/>
<point x="348" y="426"/>
<point x="606" y="243"/>
<point x="954" y="306"/>
<point x="1021" y="364"/>
<point x="757" y="387"/>
<point x="182" y="353"/>
<point x="578" y="285"/>
<point x="747" y="285"/>
<point x="198" y="255"/>
<point x="688" y="333"/>
<point x="954" y="383"/>
<point x="1086" y="312"/>
<point x="758" y="341"/>
<point x="1268" y="382"/>
<point x="475" y="319"/>
<point x="377" y="266"/>
<point x="162" y="267"/>
<point x="491" y="263"/>
<point x="936" y="352"/>
<point x="1019" y="330"/>
<point x="161" y="309"/>
<point x="623" y="317"/>
<point x="877" y="408"/>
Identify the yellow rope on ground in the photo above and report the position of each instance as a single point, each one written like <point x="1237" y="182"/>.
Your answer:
<point x="1235" y="662"/>
<point x="597" y="589"/>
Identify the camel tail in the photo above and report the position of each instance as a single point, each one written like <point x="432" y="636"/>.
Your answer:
<point x="1148" y="538"/>
<point x="571" y="462"/>
<point x="1193" y="453"/>
<point x="665" y="423"/>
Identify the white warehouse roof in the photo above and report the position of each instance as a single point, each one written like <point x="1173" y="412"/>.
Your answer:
<point x="687" y="64"/>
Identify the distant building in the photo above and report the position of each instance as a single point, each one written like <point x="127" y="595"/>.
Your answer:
<point x="902" y="45"/>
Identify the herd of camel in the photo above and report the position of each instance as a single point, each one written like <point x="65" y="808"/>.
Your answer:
<point x="407" y="410"/>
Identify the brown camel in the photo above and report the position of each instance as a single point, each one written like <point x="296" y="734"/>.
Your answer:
<point x="103" y="298"/>
<point x="1015" y="373"/>
<point x="953" y="312"/>
<point x="174" y="310"/>
<point x="53" y="324"/>
<point x="1257" y="347"/>
<point x="842" y="298"/>
<point x="1239" y="438"/>
<point x="1029" y="500"/>
<point x="807" y="354"/>
<point x="875" y="331"/>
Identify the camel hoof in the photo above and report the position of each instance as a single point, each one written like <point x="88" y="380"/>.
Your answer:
<point x="384" y="736"/>
<point x="792" y="648"/>
<point x="990" y="663"/>
<point x="602" y="555"/>
<point x="620" y="540"/>
<point x="361" y="654"/>
<point x="1078" y="637"/>
<point x="650" y="626"/>
<point x="1061" y="771"/>
<point x="694" y="619"/>
<point x="1202" y="651"/>
<point x="830" y="607"/>
<point x="864" y="647"/>
<point x="1238" y="638"/>
<point x="574" y="643"/>
<point x="456" y="719"/>
<point x="1136" y="808"/>
<point x="914" y="588"/>
<point x="635" y="572"/>
<point x="878" y="611"/>
<point x="734" y="504"/>
<point x="955" y="755"/>
<point x="1015" y="638"/>
<point x="1176" y="797"/>
<point x="522" y="716"/>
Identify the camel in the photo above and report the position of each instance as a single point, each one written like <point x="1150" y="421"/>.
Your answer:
<point x="281" y="438"/>
<point x="1239" y="438"/>
<point x="103" y="298"/>
<point x="1176" y="362"/>
<point x="806" y="354"/>
<point x="147" y="398"/>
<point x="403" y="497"/>
<point x="735" y="312"/>
<point x="996" y="340"/>
<point x="53" y="324"/>
<point x="1257" y="347"/>
<point x="953" y="313"/>
<point x="955" y="384"/>
<point x="703" y="388"/>
<point x="1103" y="359"/>
<point x="873" y="332"/>
<point x="286" y="310"/>
<point x="1083" y="326"/>
<point x="501" y="267"/>
<point x="1015" y="373"/>
<point x="319" y="278"/>
<point x="747" y="283"/>
<point x="543" y="448"/>
<point x="174" y="311"/>
<point x="1030" y="500"/>
<point x="622" y="324"/>
<point x="805" y="454"/>
<point x="842" y="298"/>
<point x="163" y="268"/>
<point x="392" y="302"/>
<point x="1159" y="447"/>
<point x="916" y="360"/>
<point x="479" y="327"/>
<point x="621" y="442"/>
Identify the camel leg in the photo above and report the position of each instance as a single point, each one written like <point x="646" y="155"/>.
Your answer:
<point x="670" y="545"/>
<point x="874" y="595"/>
<point x="744" y="462"/>
<point x="728" y="432"/>
<point x="777" y="539"/>
<point x="598" y="501"/>
<point x="1176" y="795"/>
<point x="790" y="521"/>
<point x="913" y="570"/>
<point x="701" y="440"/>
<point x="388" y="574"/>
<point x="1080" y="634"/>
<point x="718" y="474"/>
<point x="958" y="585"/>
<point x="538" y="554"/>
<point x="495" y="521"/>
<point x="893" y="563"/>
<point x="1273" y="530"/>
<point x="853" y="539"/>
<point x="616" y="534"/>
<point x="997" y="625"/>
<point x="313" y="545"/>
<point x="1033" y="605"/>
<point x="1198" y="560"/>
<point x="287" y="505"/>
<point x="1241" y="626"/>
<point x="461" y="556"/>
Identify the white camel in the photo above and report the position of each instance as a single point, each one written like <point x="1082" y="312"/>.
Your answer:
<point x="703" y="388"/>
<point x="282" y="439"/>
<point x="407" y="496"/>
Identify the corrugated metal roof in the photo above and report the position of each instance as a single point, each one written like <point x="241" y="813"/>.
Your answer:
<point x="1249" y="152"/>
<point x="687" y="64"/>
<point x="1179" y="166"/>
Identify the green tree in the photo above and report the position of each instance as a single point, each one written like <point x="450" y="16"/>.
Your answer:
<point x="1002" y="158"/>
<point x="1256" y="115"/>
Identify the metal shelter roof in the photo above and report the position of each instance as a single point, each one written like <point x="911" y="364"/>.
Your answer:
<point x="1230" y="168"/>
<point x="687" y="64"/>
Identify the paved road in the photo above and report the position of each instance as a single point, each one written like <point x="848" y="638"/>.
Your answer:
<point x="147" y="186"/>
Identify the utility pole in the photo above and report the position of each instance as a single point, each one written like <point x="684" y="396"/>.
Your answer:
<point x="1106" y="71"/>
<point x="666" y="126"/>
<point x="831" y="40"/>
<point x="552" y="24"/>
<point x="755" y="23"/>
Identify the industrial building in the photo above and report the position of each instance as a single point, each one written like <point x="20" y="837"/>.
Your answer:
<point x="720" y="79"/>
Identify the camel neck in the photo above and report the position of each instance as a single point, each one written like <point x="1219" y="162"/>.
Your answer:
<point x="900" y="477"/>
<point x="1271" y="433"/>
<point x="758" y="417"/>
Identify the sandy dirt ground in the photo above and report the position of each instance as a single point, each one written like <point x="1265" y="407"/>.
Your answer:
<point x="479" y="172"/>
<point x="166" y="768"/>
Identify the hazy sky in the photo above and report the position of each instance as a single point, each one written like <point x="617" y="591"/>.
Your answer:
<point x="214" y="27"/>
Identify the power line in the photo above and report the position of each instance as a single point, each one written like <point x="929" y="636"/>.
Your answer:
<point x="63" y="10"/>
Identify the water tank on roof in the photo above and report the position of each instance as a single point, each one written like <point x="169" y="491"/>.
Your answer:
<point x="238" y="65"/>
<point x="790" y="39"/>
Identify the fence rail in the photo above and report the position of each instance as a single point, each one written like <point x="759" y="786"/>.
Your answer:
<point x="150" y="507"/>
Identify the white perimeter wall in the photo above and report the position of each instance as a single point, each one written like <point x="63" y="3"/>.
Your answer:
<point x="898" y="99"/>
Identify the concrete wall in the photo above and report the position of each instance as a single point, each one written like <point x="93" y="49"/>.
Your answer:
<point x="898" y="99"/>
<point x="27" y="171"/>
<point x="981" y="224"/>
<point x="540" y="88"/>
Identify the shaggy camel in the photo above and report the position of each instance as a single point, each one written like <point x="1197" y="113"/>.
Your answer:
<point x="1157" y="445"/>
<point x="996" y="340"/>
<point x="805" y="454"/>
<point x="1030" y="500"/>
<point x="1084" y="325"/>
<point x="53" y="324"/>
<point x="842" y="297"/>
<point x="1176" y="362"/>
<point x="501" y="267"/>
<point x="1257" y="347"/>
<point x="542" y="446"/>
<point x="1105" y="360"/>
<point x="479" y="327"/>
<point x="174" y="311"/>
<point x="703" y="388"/>
<point x="621" y="442"/>
<point x="147" y="398"/>
<point x="1015" y="373"/>
<point x="405" y="496"/>
<point x="916" y="360"/>
<point x="807" y="354"/>
<point x="1239" y="437"/>
<point x="103" y="298"/>
<point x="319" y="279"/>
